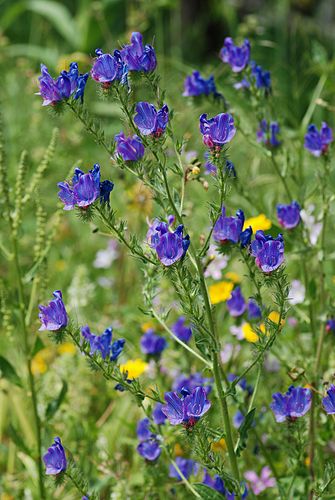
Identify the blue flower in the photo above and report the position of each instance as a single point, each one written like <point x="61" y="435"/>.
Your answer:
<point x="237" y="57"/>
<point x="195" y="85"/>
<point x="138" y="57"/>
<point x="218" y="130"/>
<point x="187" y="409"/>
<point x="129" y="148"/>
<point x="211" y="168"/>
<point x="85" y="189"/>
<point x="170" y="247"/>
<point x="215" y="483"/>
<point x="149" y="449"/>
<point x="191" y="382"/>
<point x="254" y="311"/>
<point x="108" y="68"/>
<point x="157" y="414"/>
<point x="288" y="215"/>
<point x="267" y="133"/>
<point x="143" y="430"/>
<point x="262" y="78"/>
<point x="53" y="316"/>
<point x="238" y="419"/>
<point x="149" y="121"/>
<point x="69" y="83"/>
<point x="268" y="251"/>
<point x="181" y="330"/>
<point x="295" y="403"/>
<point x="186" y="466"/>
<point x="229" y="229"/>
<point x="316" y="142"/>
<point x="152" y="344"/>
<point x="236" y="304"/>
<point x="102" y="343"/>
<point x="328" y="402"/>
<point x="55" y="458"/>
<point x="330" y="325"/>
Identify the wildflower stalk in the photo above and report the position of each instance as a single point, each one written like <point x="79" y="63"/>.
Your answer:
<point x="184" y="480"/>
<point x="187" y="347"/>
<point x="31" y="381"/>
<point x="75" y="483"/>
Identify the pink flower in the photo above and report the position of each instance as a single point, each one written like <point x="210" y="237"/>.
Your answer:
<point x="262" y="482"/>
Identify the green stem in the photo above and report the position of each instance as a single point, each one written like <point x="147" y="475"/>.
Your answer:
<point x="187" y="347"/>
<point x="79" y="488"/>
<point x="184" y="480"/>
<point x="31" y="381"/>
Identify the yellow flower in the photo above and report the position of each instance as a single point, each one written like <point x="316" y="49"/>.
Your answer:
<point x="147" y="325"/>
<point x="140" y="198"/>
<point x="274" y="317"/>
<point x="260" y="222"/>
<point x="134" y="367"/>
<point x="249" y="334"/>
<point x="219" y="446"/>
<point x="178" y="450"/>
<point x="234" y="277"/>
<point x="66" y="348"/>
<point x="221" y="291"/>
<point x="308" y="461"/>
<point x="39" y="363"/>
<point x="65" y="61"/>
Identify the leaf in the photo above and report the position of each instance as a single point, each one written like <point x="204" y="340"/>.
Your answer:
<point x="244" y="429"/>
<point x="17" y="439"/>
<point x="7" y="371"/>
<point x="207" y="493"/>
<point x="55" y="403"/>
<point x="60" y="17"/>
<point x="38" y="346"/>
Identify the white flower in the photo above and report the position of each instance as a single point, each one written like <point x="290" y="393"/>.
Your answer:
<point x="297" y="293"/>
<point x="314" y="228"/>
<point x="104" y="258"/>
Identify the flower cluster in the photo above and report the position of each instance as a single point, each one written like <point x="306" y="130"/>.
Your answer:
<point x="218" y="130"/>
<point x="267" y="133"/>
<point x="195" y="85"/>
<point x="238" y="57"/>
<point x="84" y="189"/>
<point x="186" y="408"/>
<point x="268" y="251"/>
<point x="55" y="458"/>
<point x="289" y="215"/>
<point x="295" y="403"/>
<point x="170" y="246"/>
<point x="129" y="148"/>
<point x="149" y="121"/>
<point x="317" y="143"/>
<point x="103" y="343"/>
<point x="230" y="229"/>
<point x="69" y="83"/>
<point x="149" y="446"/>
<point x="53" y="317"/>
<point x="152" y="344"/>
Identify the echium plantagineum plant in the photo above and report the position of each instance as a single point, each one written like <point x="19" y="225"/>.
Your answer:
<point x="227" y="408"/>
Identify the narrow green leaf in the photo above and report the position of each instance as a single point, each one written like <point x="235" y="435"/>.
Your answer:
<point x="8" y="372"/>
<point x="54" y="405"/>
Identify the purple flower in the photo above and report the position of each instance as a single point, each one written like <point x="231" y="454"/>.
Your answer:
<point x="316" y="142"/>
<point x="53" y="316"/>
<point x="186" y="466"/>
<point x="267" y="133"/>
<point x="262" y="78"/>
<point x="149" y="449"/>
<point x="260" y="483"/>
<point x="138" y="57"/>
<point x="237" y="57"/>
<point x="218" y="130"/>
<point x="288" y="215"/>
<point x="108" y="68"/>
<point x="295" y="403"/>
<point x="149" y="121"/>
<point x="181" y="330"/>
<point x="55" y="459"/>
<point x="143" y="430"/>
<point x="152" y="344"/>
<point x="191" y="382"/>
<point x="187" y="409"/>
<point x="328" y="402"/>
<point x="195" y="85"/>
<point x="268" y="251"/>
<point x="84" y="189"/>
<point x="211" y="168"/>
<point x="229" y="229"/>
<point x="103" y="343"/>
<point x="236" y="304"/>
<point x="215" y="483"/>
<point x="157" y="414"/>
<point x="238" y="419"/>
<point x="170" y="247"/>
<point x="330" y="325"/>
<point x="243" y="84"/>
<point x="254" y="311"/>
<point x="129" y="148"/>
<point x="69" y="83"/>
